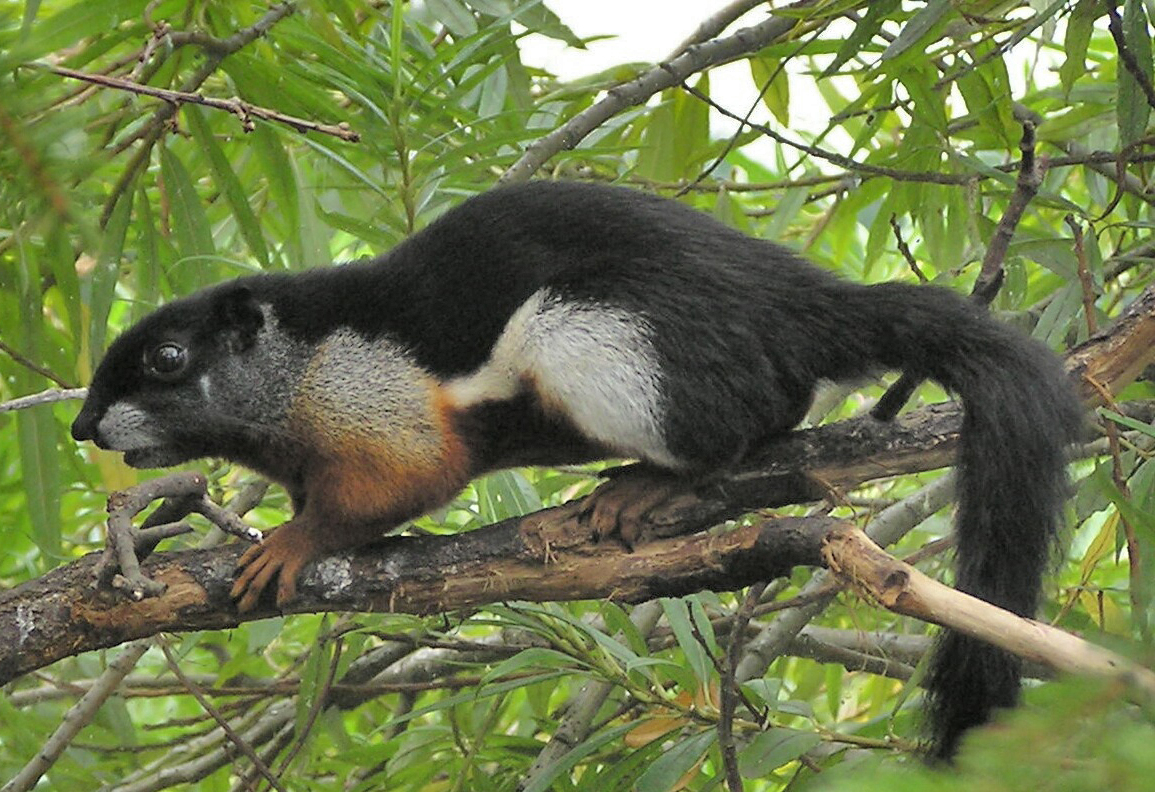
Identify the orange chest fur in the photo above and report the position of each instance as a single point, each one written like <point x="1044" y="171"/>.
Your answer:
<point x="381" y="430"/>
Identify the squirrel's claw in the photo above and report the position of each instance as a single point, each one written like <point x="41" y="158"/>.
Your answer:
<point x="282" y="555"/>
<point x="619" y="506"/>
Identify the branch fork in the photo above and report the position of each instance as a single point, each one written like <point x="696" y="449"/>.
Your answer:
<point x="184" y="494"/>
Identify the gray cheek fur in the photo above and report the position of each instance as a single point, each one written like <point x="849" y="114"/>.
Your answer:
<point x="256" y="383"/>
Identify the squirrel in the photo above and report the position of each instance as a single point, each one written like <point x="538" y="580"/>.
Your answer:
<point x="560" y="322"/>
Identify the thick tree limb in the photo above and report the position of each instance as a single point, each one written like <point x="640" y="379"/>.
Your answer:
<point x="547" y="555"/>
<point x="541" y="557"/>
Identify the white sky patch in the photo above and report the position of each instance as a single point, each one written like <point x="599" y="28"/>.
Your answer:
<point x="648" y="31"/>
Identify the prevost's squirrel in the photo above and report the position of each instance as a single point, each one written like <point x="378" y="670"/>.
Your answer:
<point x="556" y="322"/>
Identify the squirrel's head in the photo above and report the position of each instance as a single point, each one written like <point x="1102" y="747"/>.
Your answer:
<point x="173" y="387"/>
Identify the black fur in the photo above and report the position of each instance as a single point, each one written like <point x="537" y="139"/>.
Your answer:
<point x="742" y="329"/>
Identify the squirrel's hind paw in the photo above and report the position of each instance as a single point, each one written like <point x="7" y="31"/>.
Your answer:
<point x="620" y="505"/>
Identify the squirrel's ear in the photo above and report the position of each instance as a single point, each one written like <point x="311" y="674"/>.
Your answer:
<point x="239" y="315"/>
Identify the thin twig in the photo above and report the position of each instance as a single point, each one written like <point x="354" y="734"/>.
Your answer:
<point x="695" y="59"/>
<point x="577" y="723"/>
<point x="887" y="527"/>
<point x="1026" y="188"/>
<point x="904" y="249"/>
<point x="320" y="701"/>
<point x="744" y="122"/>
<point x="78" y="716"/>
<point x="233" y="736"/>
<point x="150" y="132"/>
<point x="1085" y="279"/>
<point x="714" y="24"/>
<point x="728" y="702"/>
<point x="243" y="110"/>
<point x="33" y="366"/>
<point x="1130" y="62"/>
<point x="50" y="396"/>
<point x="932" y="177"/>
<point x="990" y="277"/>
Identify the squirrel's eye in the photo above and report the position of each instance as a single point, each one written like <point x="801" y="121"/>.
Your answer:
<point x="166" y="360"/>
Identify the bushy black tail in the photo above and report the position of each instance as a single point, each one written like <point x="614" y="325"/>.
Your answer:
<point x="1020" y="415"/>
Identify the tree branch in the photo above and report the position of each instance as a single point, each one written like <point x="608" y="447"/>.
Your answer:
<point x="243" y="110"/>
<point x="150" y="132"/>
<point x="542" y="557"/>
<point x="547" y="555"/>
<point x="693" y="59"/>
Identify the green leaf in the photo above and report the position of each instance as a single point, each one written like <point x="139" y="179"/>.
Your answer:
<point x="678" y="617"/>
<point x="99" y="289"/>
<point x="679" y="759"/>
<point x="228" y="183"/>
<point x="676" y="136"/>
<point x="772" y="81"/>
<point x="773" y="748"/>
<point x="35" y="428"/>
<point x="453" y="15"/>
<point x="282" y="183"/>
<point x="1080" y="25"/>
<point x="36" y="434"/>
<point x="73" y="23"/>
<point x="1128" y="422"/>
<point x="534" y="658"/>
<point x="147" y="271"/>
<point x="537" y="18"/>
<point x="985" y="90"/>
<point x="914" y="31"/>
<point x="866" y="29"/>
<point x="1132" y="110"/>
<point x="588" y="747"/>
<point x="189" y="224"/>
<point x="785" y="211"/>
<point x="505" y="494"/>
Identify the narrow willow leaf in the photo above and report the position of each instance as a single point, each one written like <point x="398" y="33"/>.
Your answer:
<point x="772" y="81"/>
<point x="189" y="224"/>
<point x="99" y="289"/>
<point x="1132" y="110"/>
<point x="454" y="15"/>
<point x="282" y="181"/>
<point x="587" y="747"/>
<point x="1080" y="25"/>
<point x="537" y="18"/>
<point x="919" y="26"/>
<point x="678" y="617"/>
<point x="504" y="494"/>
<point x="36" y="436"/>
<point x="864" y="31"/>
<point x="74" y="22"/>
<point x="535" y="658"/>
<point x="677" y="761"/>
<point x="772" y="749"/>
<point x="228" y="183"/>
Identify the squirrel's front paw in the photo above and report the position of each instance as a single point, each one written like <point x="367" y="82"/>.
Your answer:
<point x="282" y="555"/>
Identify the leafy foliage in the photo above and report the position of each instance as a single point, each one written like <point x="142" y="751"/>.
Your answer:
<point x="112" y="202"/>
